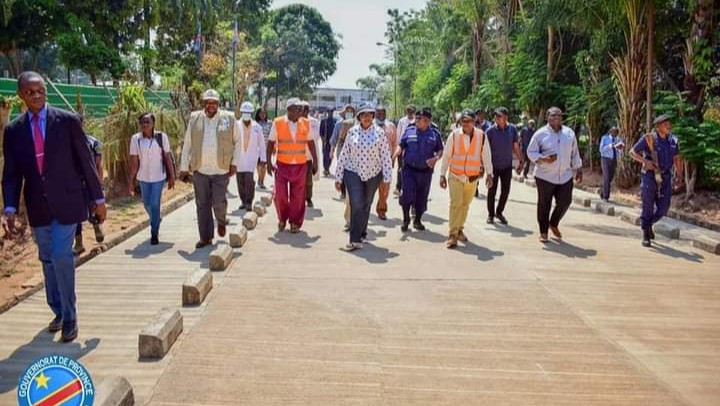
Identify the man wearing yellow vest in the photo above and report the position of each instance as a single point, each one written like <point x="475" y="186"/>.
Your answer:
<point x="209" y="154"/>
<point x="467" y="155"/>
<point x="289" y="138"/>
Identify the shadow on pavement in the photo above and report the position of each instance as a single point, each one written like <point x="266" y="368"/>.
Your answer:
<point x="569" y="250"/>
<point x="313" y="213"/>
<point x="389" y="223"/>
<point x="482" y="253"/>
<point x="429" y="218"/>
<point x="42" y="344"/>
<point x="427" y="235"/>
<point x="513" y="231"/>
<point x="608" y="230"/>
<point x="145" y="250"/>
<point x="300" y="240"/>
<point x="375" y="255"/>
<point x="199" y="255"/>
<point x="673" y="253"/>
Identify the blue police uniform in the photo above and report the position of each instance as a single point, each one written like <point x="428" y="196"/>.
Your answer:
<point x="656" y="202"/>
<point x="418" y="147"/>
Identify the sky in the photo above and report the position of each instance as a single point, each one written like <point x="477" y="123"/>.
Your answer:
<point x="361" y="24"/>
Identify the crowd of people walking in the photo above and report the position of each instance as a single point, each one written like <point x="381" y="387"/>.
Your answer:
<point x="51" y="160"/>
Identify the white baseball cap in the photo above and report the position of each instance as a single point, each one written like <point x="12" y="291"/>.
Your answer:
<point x="293" y="101"/>
<point x="247" y="107"/>
<point x="211" y="94"/>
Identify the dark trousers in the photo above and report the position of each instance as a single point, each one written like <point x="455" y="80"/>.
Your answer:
<point x="608" y="171"/>
<point x="415" y="190"/>
<point x="327" y="158"/>
<point x="526" y="163"/>
<point x="309" y="181"/>
<point x="546" y="192"/>
<point x="361" y="195"/>
<point x="503" y="176"/>
<point x="246" y="187"/>
<point x="654" y="205"/>
<point x="398" y="185"/>
<point x="210" y="197"/>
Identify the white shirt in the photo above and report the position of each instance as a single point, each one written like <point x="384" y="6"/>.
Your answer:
<point x="366" y="153"/>
<point x="546" y="142"/>
<point x="150" y="155"/>
<point x="403" y="124"/>
<point x="247" y="155"/>
<point x="448" y="152"/>
<point x="209" y="165"/>
<point x="315" y="134"/>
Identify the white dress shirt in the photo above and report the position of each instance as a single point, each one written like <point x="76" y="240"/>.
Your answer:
<point x="247" y="155"/>
<point x="315" y="134"/>
<point x="546" y="142"/>
<point x="151" y="157"/>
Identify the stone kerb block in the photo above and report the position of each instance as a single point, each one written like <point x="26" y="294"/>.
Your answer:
<point x="158" y="336"/>
<point x="604" y="207"/>
<point x="196" y="287"/>
<point x="250" y="220"/>
<point x="707" y="243"/>
<point x="238" y="236"/>
<point x="259" y="209"/>
<point x="582" y="201"/>
<point x="220" y="258"/>
<point x="266" y="201"/>
<point x="114" y="391"/>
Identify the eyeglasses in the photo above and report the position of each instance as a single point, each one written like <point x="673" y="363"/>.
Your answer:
<point x="31" y="93"/>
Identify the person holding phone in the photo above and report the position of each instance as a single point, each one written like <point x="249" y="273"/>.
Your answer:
<point x="554" y="151"/>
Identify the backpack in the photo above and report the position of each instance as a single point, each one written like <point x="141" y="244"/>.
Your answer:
<point x="169" y="167"/>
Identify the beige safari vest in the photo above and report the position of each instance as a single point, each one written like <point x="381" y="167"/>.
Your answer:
<point x="224" y="134"/>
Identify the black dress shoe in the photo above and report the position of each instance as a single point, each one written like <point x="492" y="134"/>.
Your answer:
<point x="154" y="240"/>
<point x="202" y="244"/>
<point x="502" y="219"/>
<point x="69" y="332"/>
<point x="55" y="325"/>
<point x="490" y="220"/>
<point x="646" y="238"/>
<point x="418" y="225"/>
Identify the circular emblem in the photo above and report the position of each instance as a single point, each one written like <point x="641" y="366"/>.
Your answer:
<point x="55" y="380"/>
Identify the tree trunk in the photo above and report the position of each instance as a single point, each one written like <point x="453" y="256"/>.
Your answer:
<point x="701" y="36"/>
<point x="629" y="75"/>
<point x="650" y="48"/>
<point x="691" y="171"/>
<point x="478" y="37"/>
<point x="550" y="53"/>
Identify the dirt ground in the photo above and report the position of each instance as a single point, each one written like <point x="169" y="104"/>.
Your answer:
<point x="705" y="204"/>
<point x="19" y="264"/>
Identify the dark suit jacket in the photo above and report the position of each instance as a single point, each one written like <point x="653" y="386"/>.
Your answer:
<point x="69" y="181"/>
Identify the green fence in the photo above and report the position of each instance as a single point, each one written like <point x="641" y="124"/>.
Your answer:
<point x="96" y="99"/>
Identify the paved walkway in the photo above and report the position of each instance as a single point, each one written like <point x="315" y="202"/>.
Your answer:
<point x="596" y="320"/>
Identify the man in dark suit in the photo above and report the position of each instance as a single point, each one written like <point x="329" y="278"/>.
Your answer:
<point x="46" y="156"/>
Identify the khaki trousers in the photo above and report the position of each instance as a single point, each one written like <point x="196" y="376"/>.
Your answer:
<point x="461" y="195"/>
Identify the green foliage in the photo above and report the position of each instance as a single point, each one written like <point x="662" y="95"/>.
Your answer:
<point x="699" y="141"/>
<point x="300" y="47"/>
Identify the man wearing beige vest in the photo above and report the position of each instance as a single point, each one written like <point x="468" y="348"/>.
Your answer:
<point x="209" y="154"/>
<point x="467" y="156"/>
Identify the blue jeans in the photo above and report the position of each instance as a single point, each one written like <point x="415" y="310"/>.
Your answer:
<point x="58" y="263"/>
<point x="151" y="194"/>
<point x="361" y="195"/>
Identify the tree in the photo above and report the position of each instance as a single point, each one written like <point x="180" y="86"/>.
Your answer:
<point x="300" y="47"/>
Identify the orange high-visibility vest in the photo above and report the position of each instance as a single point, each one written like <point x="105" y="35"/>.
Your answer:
<point x="291" y="151"/>
<point x="467" y="161"/>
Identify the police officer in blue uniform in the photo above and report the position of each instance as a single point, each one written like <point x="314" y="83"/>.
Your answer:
<point x="658" y="153"/>
<point x="421" y="147"/>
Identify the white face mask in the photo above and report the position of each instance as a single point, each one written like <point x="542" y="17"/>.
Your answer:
<point x="246" y="116"/>
<point x="349" y="116"/>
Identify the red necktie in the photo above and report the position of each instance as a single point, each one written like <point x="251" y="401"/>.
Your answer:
<point x="39" y="143"/>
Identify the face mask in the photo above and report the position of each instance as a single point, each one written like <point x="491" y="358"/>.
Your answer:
<point x="349" y="116"/>
<point x="246" y="116"/>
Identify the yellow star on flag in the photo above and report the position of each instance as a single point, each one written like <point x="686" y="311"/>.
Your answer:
<point x="42" y="381"/>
